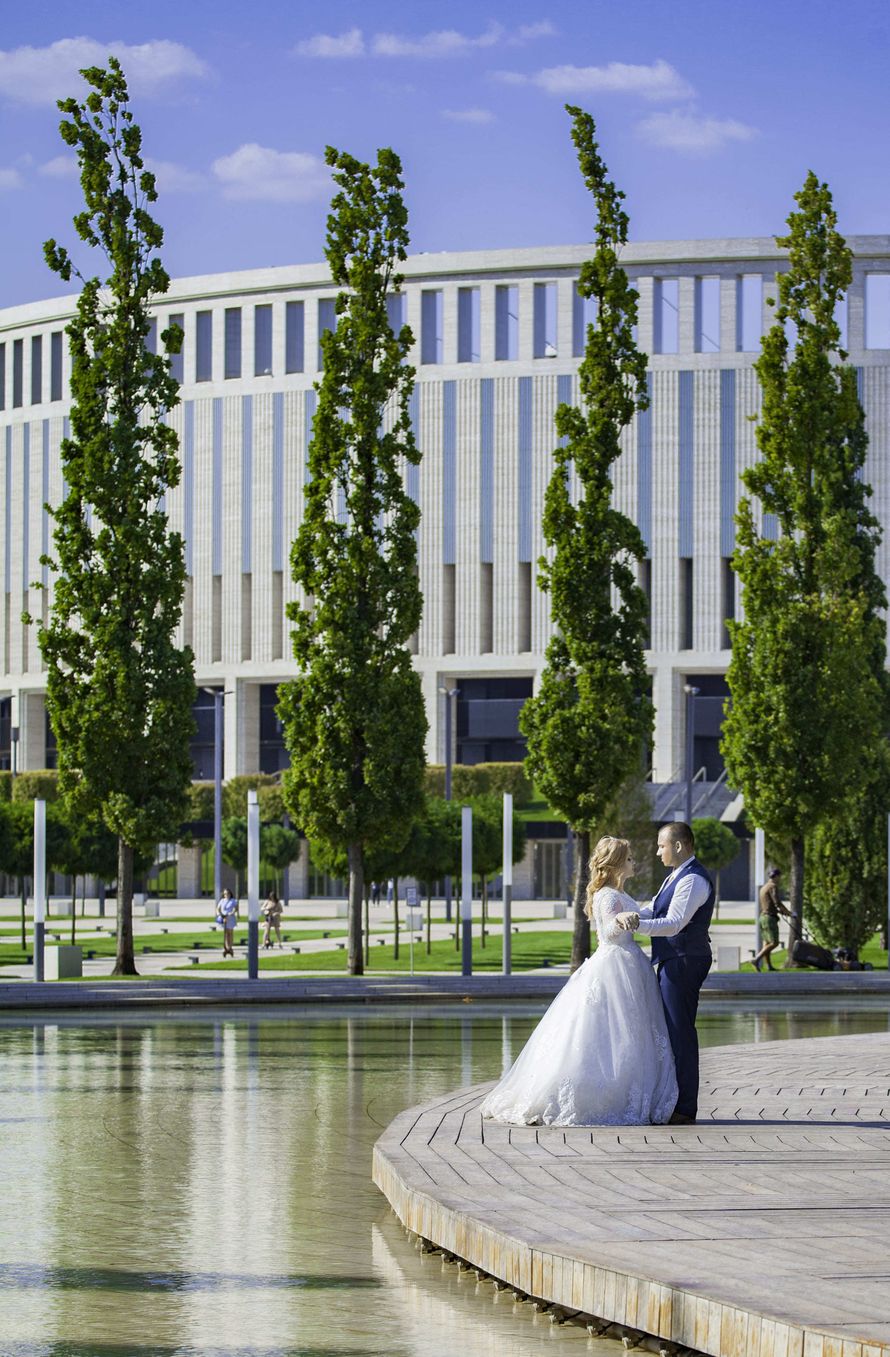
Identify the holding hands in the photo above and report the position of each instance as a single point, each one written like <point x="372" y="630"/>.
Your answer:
<point x="629" y="921"/>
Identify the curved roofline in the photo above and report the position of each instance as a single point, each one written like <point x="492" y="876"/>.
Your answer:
<point x="439" y="264"/>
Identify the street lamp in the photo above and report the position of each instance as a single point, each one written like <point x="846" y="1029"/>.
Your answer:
<point x="691" y="695"/>
<point x="14" y="741"/>
<point x="449" y="694"/>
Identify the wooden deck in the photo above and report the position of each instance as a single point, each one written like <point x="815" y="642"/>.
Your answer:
<point x="762" y="1231"/>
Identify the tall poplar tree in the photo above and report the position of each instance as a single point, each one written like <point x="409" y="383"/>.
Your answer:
<point x="354" y="718"/>
<point x="806" y="677"/>
<point x="588" y="723"/>
<point x="119" y="691"/>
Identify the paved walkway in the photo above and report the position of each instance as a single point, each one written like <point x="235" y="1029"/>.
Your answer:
<point x="762" y="1231"/>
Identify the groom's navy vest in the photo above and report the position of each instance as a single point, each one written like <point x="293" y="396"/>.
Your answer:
<point x="693" y="939"/>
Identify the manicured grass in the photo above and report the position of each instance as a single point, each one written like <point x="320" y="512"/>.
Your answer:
<point x="11" y="953"/>
<point x="530" y="951"/>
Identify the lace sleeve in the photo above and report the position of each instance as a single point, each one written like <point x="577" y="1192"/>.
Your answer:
<point x="608" y="903"/>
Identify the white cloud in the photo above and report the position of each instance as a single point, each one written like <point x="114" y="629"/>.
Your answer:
<point x="10" y="179"/>
<point x="261" y="173"/>
<point x="468" y="115"/>
<point x="446" y="42"/>
<point x="691" y="132"/>
<point x="656" y="82"/>
<point x="349" y="44"/>
<point x="530" y="32"/>
<point x="60" y="167"/>
<point x="41" y="75"/>
<point x="173" y="178"/>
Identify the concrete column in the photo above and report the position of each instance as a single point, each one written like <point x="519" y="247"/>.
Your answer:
<point x="412" y="318"/>
<point x="310" y="333"/>
<point x="32" y="731"/>
<point x="219" y="341"/>
<point x="769" y="294"/>
<point x="686" y="327"/>
<point x="667" y="741"/>
<point x="486" y="322"/>
<point x="449" y="324"/>
<point x="565" y="295"/>
<point x="242" y="726"/>
<point x="728" y="310"/>
<point x="526" y="320"/>
<point x="524" y="875"/>
<point x="646" y="314"/>
<point x="247" y="333"/>
<point x="856" y="313"/>
<point x="188" y="876"/>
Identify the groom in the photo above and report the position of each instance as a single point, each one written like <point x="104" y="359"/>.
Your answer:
<point x="677" y="921"/>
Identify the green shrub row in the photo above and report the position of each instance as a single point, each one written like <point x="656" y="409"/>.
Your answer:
<point x="478" y="779"/>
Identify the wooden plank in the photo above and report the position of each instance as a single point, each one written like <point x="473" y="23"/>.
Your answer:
<point x="763" y="1231"/>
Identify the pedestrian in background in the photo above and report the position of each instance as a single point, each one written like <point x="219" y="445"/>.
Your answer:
<point x="272" y="912"/>
<point x="770" y="908"/>
<point x="227" y="915"/>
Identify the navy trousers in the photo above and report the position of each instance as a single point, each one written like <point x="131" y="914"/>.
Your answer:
<point x="680" y="981"/>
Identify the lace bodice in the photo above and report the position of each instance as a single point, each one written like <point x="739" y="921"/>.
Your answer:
<point x="607" y="902"/>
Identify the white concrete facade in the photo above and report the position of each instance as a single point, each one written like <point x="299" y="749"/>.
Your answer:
<point x="484" y="424"/>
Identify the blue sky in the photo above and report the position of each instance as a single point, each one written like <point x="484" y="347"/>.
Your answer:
<point x="710" y="113"/>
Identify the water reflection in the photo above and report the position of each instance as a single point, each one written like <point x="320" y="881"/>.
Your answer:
<point x="182" y="1187"/>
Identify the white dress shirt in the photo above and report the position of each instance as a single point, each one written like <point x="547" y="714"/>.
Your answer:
<point x="690" y="895"/>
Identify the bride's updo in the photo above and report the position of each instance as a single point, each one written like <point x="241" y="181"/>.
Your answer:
<point x="606" y="861"/>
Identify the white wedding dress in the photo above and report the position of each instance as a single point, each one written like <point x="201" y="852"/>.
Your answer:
<point x="600" y="1055"/>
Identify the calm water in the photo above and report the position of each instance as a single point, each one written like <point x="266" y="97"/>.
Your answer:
<point x="185" y="1187"/>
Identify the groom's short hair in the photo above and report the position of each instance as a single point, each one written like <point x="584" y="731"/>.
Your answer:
<point x="679" y="829"/>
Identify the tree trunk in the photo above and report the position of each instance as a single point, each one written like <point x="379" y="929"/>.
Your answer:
<point x="24" y="896"/>
<point x="395" y="907"/>
<point x="125" y="963"/>
<point x="429" y="918"/>
<point x="484" y="906"/>
<point x="356" y="862"/>
<point x="581" y="931"/>
<point x="795" y="897"/>
<point x="367" y="923"/>
<point x="73" y="910"/>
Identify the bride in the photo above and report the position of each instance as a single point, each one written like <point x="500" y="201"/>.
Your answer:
<point x="600" y="1055"/>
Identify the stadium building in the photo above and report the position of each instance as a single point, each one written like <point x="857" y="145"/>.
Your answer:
<point x="499" y="335"/>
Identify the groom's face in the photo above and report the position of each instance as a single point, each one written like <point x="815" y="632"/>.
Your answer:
<point x="667" y="850"/>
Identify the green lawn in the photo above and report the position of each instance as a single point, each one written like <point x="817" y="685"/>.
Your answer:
<point x="530" y="951"/>
<point x="11" y="953"/>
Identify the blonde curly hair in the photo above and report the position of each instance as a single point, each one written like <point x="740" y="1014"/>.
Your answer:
<point x="606" y="861"/>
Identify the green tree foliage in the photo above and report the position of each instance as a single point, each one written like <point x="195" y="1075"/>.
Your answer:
<point x="591" y="716"/>
<point x="715" y="847"/>
<point x="354" y="718"/>
<point x="17" y="847"/>
<point x="629" y="816"/>
<point x="808" y="692"/>
<point x="86" y="847"/>
<point x="846" y="890"/>
<point x="119" y="692"/>
<point x="279" y="847"/>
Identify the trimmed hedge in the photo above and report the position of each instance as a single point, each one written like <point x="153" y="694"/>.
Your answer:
<point x="37" y="783"/>
<point x="5" y="785"/>
<point x="478" y="779"/>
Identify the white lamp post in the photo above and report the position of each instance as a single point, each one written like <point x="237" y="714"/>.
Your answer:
<point x="508" y="880"/>
<point x="253" y="885"/>
<point x="39" y="885"/>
